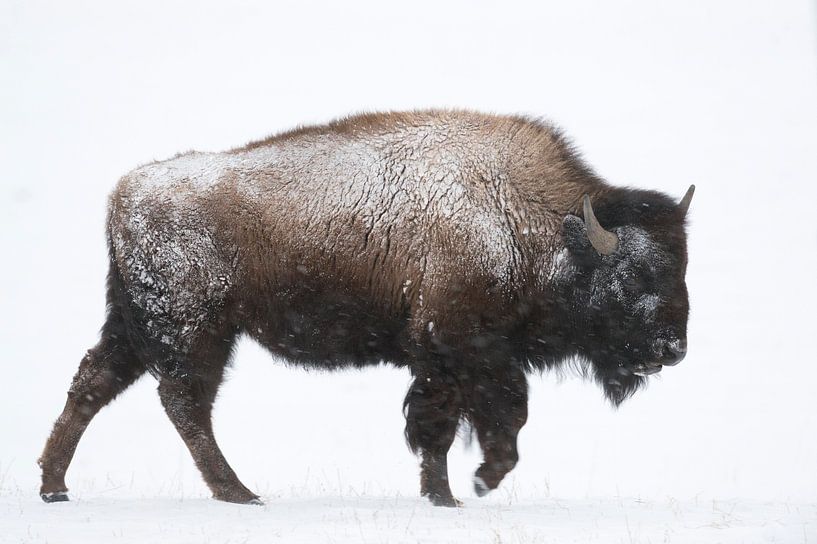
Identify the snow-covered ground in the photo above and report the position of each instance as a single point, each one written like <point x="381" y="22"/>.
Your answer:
<point x="722" y="448"/>
<point x="367" y="518"/>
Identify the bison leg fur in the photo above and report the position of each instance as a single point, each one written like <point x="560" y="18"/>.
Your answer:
<point x="499" y="409"/>
<point x="105" y="371"/>
<point x="433" y="408"/>
<point x="188" y="403"/>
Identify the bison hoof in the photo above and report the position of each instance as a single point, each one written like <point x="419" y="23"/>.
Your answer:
<point x="239" y="498"/>
<point x="480" y="487"/>
<point x="56" y="496"/>
<point x="447" y="501"/>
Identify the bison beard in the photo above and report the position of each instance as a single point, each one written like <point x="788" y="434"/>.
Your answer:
<point x="471" y="249"/>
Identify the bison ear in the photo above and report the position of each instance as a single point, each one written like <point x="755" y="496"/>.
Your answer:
<point x="574" y="234"/>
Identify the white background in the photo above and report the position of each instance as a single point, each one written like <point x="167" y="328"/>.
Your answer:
<point x="656" y="95"/>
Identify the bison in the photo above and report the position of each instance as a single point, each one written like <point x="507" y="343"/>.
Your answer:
<point x="471" y="249"/>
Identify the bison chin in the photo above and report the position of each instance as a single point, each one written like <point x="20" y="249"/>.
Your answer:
<point x="618" y="382"/>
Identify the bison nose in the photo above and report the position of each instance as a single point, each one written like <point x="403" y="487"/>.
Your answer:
<point x="674" y="352"/>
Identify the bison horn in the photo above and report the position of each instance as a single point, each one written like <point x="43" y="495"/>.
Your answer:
<point x="604" y="241"/>
<point x="684" y="204"/>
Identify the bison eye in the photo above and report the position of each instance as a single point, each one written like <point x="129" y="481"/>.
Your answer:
<point x="634" y="284"/>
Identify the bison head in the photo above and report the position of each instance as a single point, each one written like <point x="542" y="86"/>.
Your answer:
<point x="628" y="295"/>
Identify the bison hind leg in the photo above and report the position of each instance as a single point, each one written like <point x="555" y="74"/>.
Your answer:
<point x="188" y="403"/>
<point x="188" y="391"/>
<point x="105" y="371"/>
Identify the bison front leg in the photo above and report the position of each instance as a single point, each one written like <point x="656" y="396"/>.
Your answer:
<point x="499" y="409"/>
<point x="433" y="408"/>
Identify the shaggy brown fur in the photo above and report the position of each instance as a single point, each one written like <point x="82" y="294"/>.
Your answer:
<point x="444" y="241"/>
